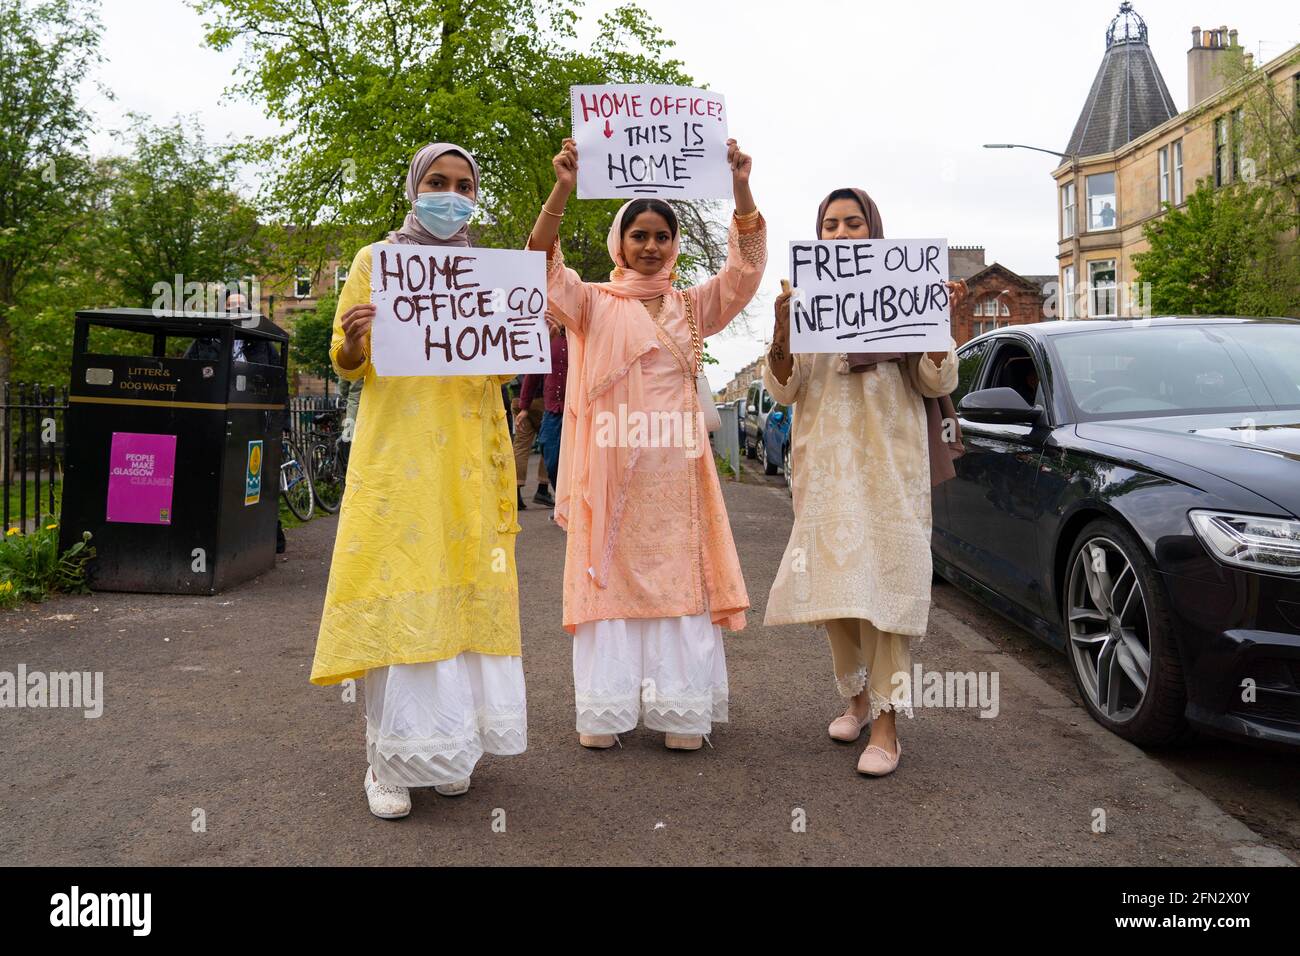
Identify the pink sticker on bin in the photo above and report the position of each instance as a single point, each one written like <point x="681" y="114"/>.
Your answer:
<point x="141" y="472"/>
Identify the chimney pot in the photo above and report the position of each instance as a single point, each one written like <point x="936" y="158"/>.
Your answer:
<point x="1232" y="37"/>
<point x="1196" y="37"/>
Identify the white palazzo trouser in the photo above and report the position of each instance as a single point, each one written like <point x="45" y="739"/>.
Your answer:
<point x="671" y="670"/>
<point x="428" y="724"/>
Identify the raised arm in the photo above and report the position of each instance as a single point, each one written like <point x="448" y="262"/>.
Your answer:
<point x="566" y="293"/>
<point x="721" y="298"/>
<point x="547" y="227"/>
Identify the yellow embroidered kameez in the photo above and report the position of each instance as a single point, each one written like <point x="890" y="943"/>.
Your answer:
<point x="423" y="571"/>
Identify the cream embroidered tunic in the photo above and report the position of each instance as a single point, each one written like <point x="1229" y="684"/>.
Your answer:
<point x="860" y="546"/>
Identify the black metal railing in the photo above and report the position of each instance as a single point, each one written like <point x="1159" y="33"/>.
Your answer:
<point x="31" y="447"/>
<point x="307" y="411"/>
<point x="31" y="453"/>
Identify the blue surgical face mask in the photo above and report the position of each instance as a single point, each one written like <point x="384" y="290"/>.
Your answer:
<point x="443" y="214"/>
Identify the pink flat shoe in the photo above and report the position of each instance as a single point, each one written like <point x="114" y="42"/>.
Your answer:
<point x="847" y="728"/>
<point x="597" y="741"/>
<point x="877" y="762"/>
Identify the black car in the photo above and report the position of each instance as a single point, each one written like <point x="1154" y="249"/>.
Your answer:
<point x="1130" y="492"/>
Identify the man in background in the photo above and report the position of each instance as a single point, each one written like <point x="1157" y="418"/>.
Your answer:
<point x="552" y="390"/>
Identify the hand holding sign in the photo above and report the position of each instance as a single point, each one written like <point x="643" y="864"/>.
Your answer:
<point x="356" y="323"/>
<point x="740" y="163"/>
<point x="566" y="164"/>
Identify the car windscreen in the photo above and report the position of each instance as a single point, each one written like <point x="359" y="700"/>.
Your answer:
<point x="1137" y="371"/>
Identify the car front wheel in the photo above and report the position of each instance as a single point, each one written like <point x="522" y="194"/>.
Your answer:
<point x="1120" y="639"/>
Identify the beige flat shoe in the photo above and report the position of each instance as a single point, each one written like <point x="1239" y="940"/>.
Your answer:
<point x="847" y="728"/>
<point x="877" y="762"/>
<point x="683" y="741"/>
<point x="453" y="789"/>
<point x="597" y="741"/>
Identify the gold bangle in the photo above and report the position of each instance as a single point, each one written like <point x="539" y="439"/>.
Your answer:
<point x="557" y="215"/>
<point x="746" y="217"/>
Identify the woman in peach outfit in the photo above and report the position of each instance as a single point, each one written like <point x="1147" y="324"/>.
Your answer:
<point x="651" y="573"/>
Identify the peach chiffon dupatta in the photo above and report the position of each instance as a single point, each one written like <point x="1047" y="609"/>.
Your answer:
<point x="604" y="374"/>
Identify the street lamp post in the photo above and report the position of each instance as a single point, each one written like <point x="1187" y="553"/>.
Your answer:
<point x="1074" y="179"/>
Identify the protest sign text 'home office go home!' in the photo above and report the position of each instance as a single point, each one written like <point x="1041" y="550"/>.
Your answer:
<point x="457" y="310"/>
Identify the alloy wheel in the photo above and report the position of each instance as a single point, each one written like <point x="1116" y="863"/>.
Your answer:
<point x="1109" y="629"/>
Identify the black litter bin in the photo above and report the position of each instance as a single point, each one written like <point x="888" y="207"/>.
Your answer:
<point x="173" y="453"/>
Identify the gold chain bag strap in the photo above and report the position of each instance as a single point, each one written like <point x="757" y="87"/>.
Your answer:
<point x="712" y="420"/>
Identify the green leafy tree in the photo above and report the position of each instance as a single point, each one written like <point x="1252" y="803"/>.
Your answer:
<point x="1226" y="252"/>
<point x="359" y="87"/>
<point x="1232" y="250"/>
<point x="310" y="352"/>
<point x="46" y="180"/>
<point x="172" y="209"/>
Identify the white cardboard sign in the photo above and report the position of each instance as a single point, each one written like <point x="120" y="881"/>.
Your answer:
<point x="457" y="310"/>
<point x="869" y="295"/>
<point x="650" y="140"/>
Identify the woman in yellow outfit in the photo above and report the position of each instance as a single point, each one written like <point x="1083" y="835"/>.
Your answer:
<point x="423" y="599"/>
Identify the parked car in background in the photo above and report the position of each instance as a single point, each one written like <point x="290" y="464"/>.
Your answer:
<point x="774" y="444"/>
<point x="757" y="405"/>
<point x="1130" y="492"/>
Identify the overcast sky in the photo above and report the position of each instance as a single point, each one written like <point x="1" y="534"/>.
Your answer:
<point x="894" y="97"/>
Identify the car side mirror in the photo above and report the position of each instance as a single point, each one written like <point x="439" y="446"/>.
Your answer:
<point x="999" y="406"/>
<point x="750" y="409"/>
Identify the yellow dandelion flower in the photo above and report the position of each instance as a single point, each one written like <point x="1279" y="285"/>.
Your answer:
<point x="50" y="527"/>
<point x="11" y="532"/>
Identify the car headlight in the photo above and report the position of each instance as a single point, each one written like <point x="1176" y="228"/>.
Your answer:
<point x="1250" y="541"/>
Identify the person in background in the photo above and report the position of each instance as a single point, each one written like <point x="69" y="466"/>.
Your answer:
<point x="551" y="386"/>
<point x="262" y="351"/>
<point x="872" y="433"/>
<point x="350" y="393"/>
<point x="528" y="419"/>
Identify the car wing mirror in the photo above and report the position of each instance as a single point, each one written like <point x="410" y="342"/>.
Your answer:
<point x="998" y="406"/>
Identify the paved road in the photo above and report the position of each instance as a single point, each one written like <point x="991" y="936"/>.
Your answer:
<point x="209" y="713"/>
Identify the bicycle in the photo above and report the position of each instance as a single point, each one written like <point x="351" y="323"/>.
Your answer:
<point x="328" y="461"/>
<point x="295" y="480"/>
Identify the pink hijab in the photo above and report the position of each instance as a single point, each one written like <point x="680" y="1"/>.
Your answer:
<point x="627" y="282"/>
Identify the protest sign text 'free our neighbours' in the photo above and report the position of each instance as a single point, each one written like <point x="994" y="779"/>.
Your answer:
<point x="650" y="140"/>
<point x="457" y="310"/>
<point x="869" y="295"/>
